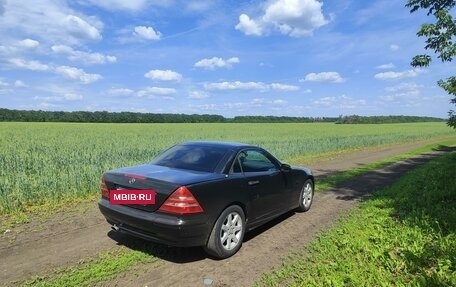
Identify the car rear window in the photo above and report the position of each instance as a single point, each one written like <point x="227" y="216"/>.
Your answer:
<point x="191" y="157"/>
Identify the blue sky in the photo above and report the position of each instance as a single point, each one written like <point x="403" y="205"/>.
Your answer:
<point x="277" y="57"/>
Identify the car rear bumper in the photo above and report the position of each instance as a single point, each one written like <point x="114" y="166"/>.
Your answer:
<point x="162" y="228"/>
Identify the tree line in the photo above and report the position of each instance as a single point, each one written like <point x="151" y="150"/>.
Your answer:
<point x="281" y="119"/>
<point x="355" y="119"/>
<point x="103" y="117"/>
<point x="7" y="115"/>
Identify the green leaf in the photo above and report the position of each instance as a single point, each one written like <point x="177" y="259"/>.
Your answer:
<point x="421" y="61"/>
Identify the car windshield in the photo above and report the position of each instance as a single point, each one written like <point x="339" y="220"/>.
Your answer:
<point x="191" y="157"/>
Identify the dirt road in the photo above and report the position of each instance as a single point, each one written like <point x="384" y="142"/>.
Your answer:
<point x="38" y="247"/>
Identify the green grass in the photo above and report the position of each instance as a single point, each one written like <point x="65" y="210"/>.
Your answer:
<point x="91" y="271"/>
<point x="404" y="235"/>
<point x="46" y="164"/>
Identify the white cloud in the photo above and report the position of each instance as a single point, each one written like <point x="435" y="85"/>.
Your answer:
<point x="19" y="84"/>
<point x="138" y="5"/>
<point x="325" y="101"/>
<point x="398" y="75"/>
<point x="49" y="21"/>
<point x="132" y="5"/>
<point x="198" y="5"/>
<point x="163" y="75"/>
<point x="295" y="18"/>
<point x="85" y="57"/>
<point x="81" y="28"/>
<point x="283" y="87"/>
<point x="394" y="47"/>
<point x="4" y="87"/>
<point x="242" y="106"/>
<point x="198" y="95"/>
<point x="373" y="12"/>
<point x="77" y="74"/>
<point x="404" y="87"/>
<point x="260" y="86"/>
<point x="18" y="46"/>
<point x="7" y="50"/>
<point x="72" y="97"/>
<point x="28" y="44"/>
<point x="331" y="77"/>
<point x="262" y="101"/>
<point x="120" y="92"/>
<point x="66" y="71"/>
<point x="258" y="101"/>
<point x="216" y="62"/>
<point x="47" y="106"/>
<point x="386" y="66"/>
<point x="237" y="85"/>
<point x="279" y="102"/>
<point x="146" y="33"/>
<point x="29" y="65"/>
<point x="157" y="92"/>
<point x="59" y="94"/>
<point x="249" y="26"/>
<point x="402" y="92"/>
<point x="205" y="107"/>
<point x="341" y="102"/>
<point x="68" y="96"/>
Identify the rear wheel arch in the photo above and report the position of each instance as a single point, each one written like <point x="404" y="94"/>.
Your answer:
<point x="241" y="205"/>
<point x="237" y="203"/>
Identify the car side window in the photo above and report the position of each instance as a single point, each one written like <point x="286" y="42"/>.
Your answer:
<point x="255" y="161"/>
<point x="236" y="166"/>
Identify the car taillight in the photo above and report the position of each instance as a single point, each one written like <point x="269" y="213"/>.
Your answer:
<point x="104" y="188"/>
<point x="181" y="201"/>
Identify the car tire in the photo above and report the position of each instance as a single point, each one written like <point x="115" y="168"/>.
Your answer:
<point x="306" y="196"/>
<point x="227" y="234"/>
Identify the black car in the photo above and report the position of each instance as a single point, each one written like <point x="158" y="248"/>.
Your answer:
<point x="204" y="194"/>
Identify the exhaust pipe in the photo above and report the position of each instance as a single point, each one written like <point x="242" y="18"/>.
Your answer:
<point x="115" y="227"/>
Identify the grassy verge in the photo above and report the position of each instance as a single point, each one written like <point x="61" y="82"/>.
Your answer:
<point x="45" y="210"/>
<point x="404" y="235"/>
<point x="91" y="271"/>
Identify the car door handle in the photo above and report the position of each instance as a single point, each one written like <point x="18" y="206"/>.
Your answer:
<point x="253" y="182"/>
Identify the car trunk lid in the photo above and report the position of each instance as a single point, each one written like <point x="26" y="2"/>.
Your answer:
<point x="163" y="180"/>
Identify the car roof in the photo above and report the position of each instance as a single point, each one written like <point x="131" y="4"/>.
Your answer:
<point x="217" y="144"/>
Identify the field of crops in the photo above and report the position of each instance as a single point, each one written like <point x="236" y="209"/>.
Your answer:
<point x="52" y="162"/>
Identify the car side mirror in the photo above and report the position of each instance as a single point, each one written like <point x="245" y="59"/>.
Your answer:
<point x="285" y="167"/>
